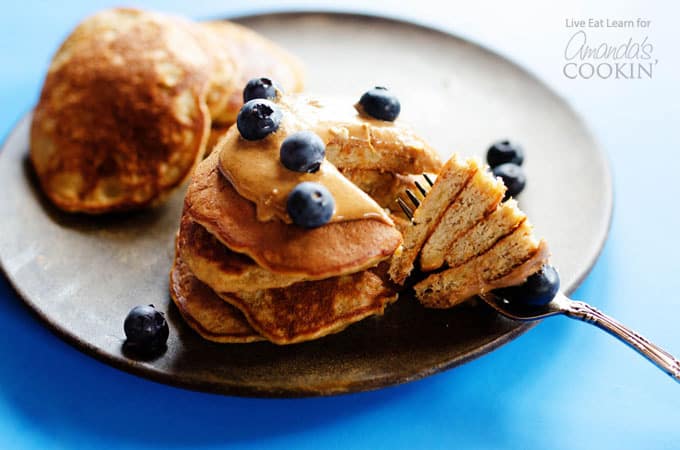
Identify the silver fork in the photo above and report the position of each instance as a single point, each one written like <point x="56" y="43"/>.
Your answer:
<point x="561" y="304"/>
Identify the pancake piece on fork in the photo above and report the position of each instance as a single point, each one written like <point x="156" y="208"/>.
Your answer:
<point x="468" y="241"/>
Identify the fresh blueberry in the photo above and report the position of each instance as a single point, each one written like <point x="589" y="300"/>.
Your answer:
<point x="303" y="151"/>
<point x="310" y="205"/>
<point x="380" y="104"/>
<point x="513" y="177"/>
<point x="146" y="329"/>
<point x="257" y="119"/>
<point x="503" y="152"/>
<point x="539" y="289"/>
<point x="260" y="88"/>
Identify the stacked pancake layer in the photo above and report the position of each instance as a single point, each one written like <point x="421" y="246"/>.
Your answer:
<point x="469" y="238"/>
<point x="239" y="278"/>
<point x="127" y="105"/>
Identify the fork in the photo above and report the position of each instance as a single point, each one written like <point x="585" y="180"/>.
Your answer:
<point x="561" y="304"/>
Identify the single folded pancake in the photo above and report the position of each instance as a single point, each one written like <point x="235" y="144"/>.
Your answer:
<point x="121" y="119"/>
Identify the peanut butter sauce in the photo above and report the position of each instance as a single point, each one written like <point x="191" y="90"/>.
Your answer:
<point x="256" y="172"/>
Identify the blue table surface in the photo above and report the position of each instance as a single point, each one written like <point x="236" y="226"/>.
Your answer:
<point x="561" y="385"/>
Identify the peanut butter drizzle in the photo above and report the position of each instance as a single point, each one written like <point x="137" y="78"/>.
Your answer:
<point x="255" y="170"/>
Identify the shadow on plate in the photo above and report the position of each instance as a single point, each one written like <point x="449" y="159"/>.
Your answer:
<point x="143" y="219"/>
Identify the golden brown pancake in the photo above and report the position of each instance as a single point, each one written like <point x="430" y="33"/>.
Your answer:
<point x="216" y="133"/>
<point x="313" y="309"/>
<point x="220" y="268"/>
<point x="331" y="250"/>
<point x="255" y="56"/>
<point x="205" y="311"/>
<point x="122" y="118"/>
<point x="355" y="141"/>
<point x="224" y="68"/>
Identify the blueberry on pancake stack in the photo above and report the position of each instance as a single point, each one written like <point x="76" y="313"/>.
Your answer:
<point x="275" y="242"/>
<point x="126" y="108"/>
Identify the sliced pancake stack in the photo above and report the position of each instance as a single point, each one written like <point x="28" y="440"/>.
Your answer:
<point x="241" y="275"/>
<point x="466" y="238"/>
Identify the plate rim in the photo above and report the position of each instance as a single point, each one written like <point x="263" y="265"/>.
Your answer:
<point x="234" y="389"/>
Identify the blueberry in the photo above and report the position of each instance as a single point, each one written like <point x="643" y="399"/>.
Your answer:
<point x="503" y="152"/>
<point x="310" y="205"/>
<point x="146" y="329"/>
<point x="380" y="104"/>
<point x="260" y="88"/>
<point x="537" y="290"/>
<point x="257" y="119"/>
<point x="303" y="151"/>
<point x="513" y="177"/>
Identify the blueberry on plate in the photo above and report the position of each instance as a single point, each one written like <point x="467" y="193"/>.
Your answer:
<point x="146" y="329"/>
<point x="505" y="151"/>
<point x="538" y="290"/>
<point x="257" y="119"/>
<point x="260" y="88"/>
<point x="380" y="103"/>
<point x="310" y="205"/>
<point x="303" y="151"/>
<point x="513" y="177"/>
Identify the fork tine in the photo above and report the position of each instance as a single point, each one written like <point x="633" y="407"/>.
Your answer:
<point x="405" y="208"/>
<point x="420" y="187"/>
<point x="413" y="198"/>
<point x="428" y="179"/>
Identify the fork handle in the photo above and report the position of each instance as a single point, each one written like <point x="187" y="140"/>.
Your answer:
<point x="587" y="313"/>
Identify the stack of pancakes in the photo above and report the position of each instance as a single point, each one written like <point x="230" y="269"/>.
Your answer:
<point x="469" y="238"/>
<point x="130" y="98"/>
<point x="237" y="278"/>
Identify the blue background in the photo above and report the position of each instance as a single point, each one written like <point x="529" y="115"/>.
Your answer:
<point x="562" y="385"/>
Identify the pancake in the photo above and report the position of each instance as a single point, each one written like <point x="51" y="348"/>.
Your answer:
<point x="216" y="133"/>
<point x="313" y="309"/>
<point x="255" y="56"/>
<point x="121" y="119"/>
<point x="204" y="311"/>
<point x="507" y="263"/>
<point x="331" y="250"/>
<point x="480" y="197"/>
<point x="352" y="142"/>
<point x="453" y="177"/>
<point x="220" y="268"/>
<point x="224" y="68"/>
<point x="355" y="141"/>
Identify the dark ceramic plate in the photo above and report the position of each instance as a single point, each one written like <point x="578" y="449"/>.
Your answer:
<point x="81" y="275"/>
